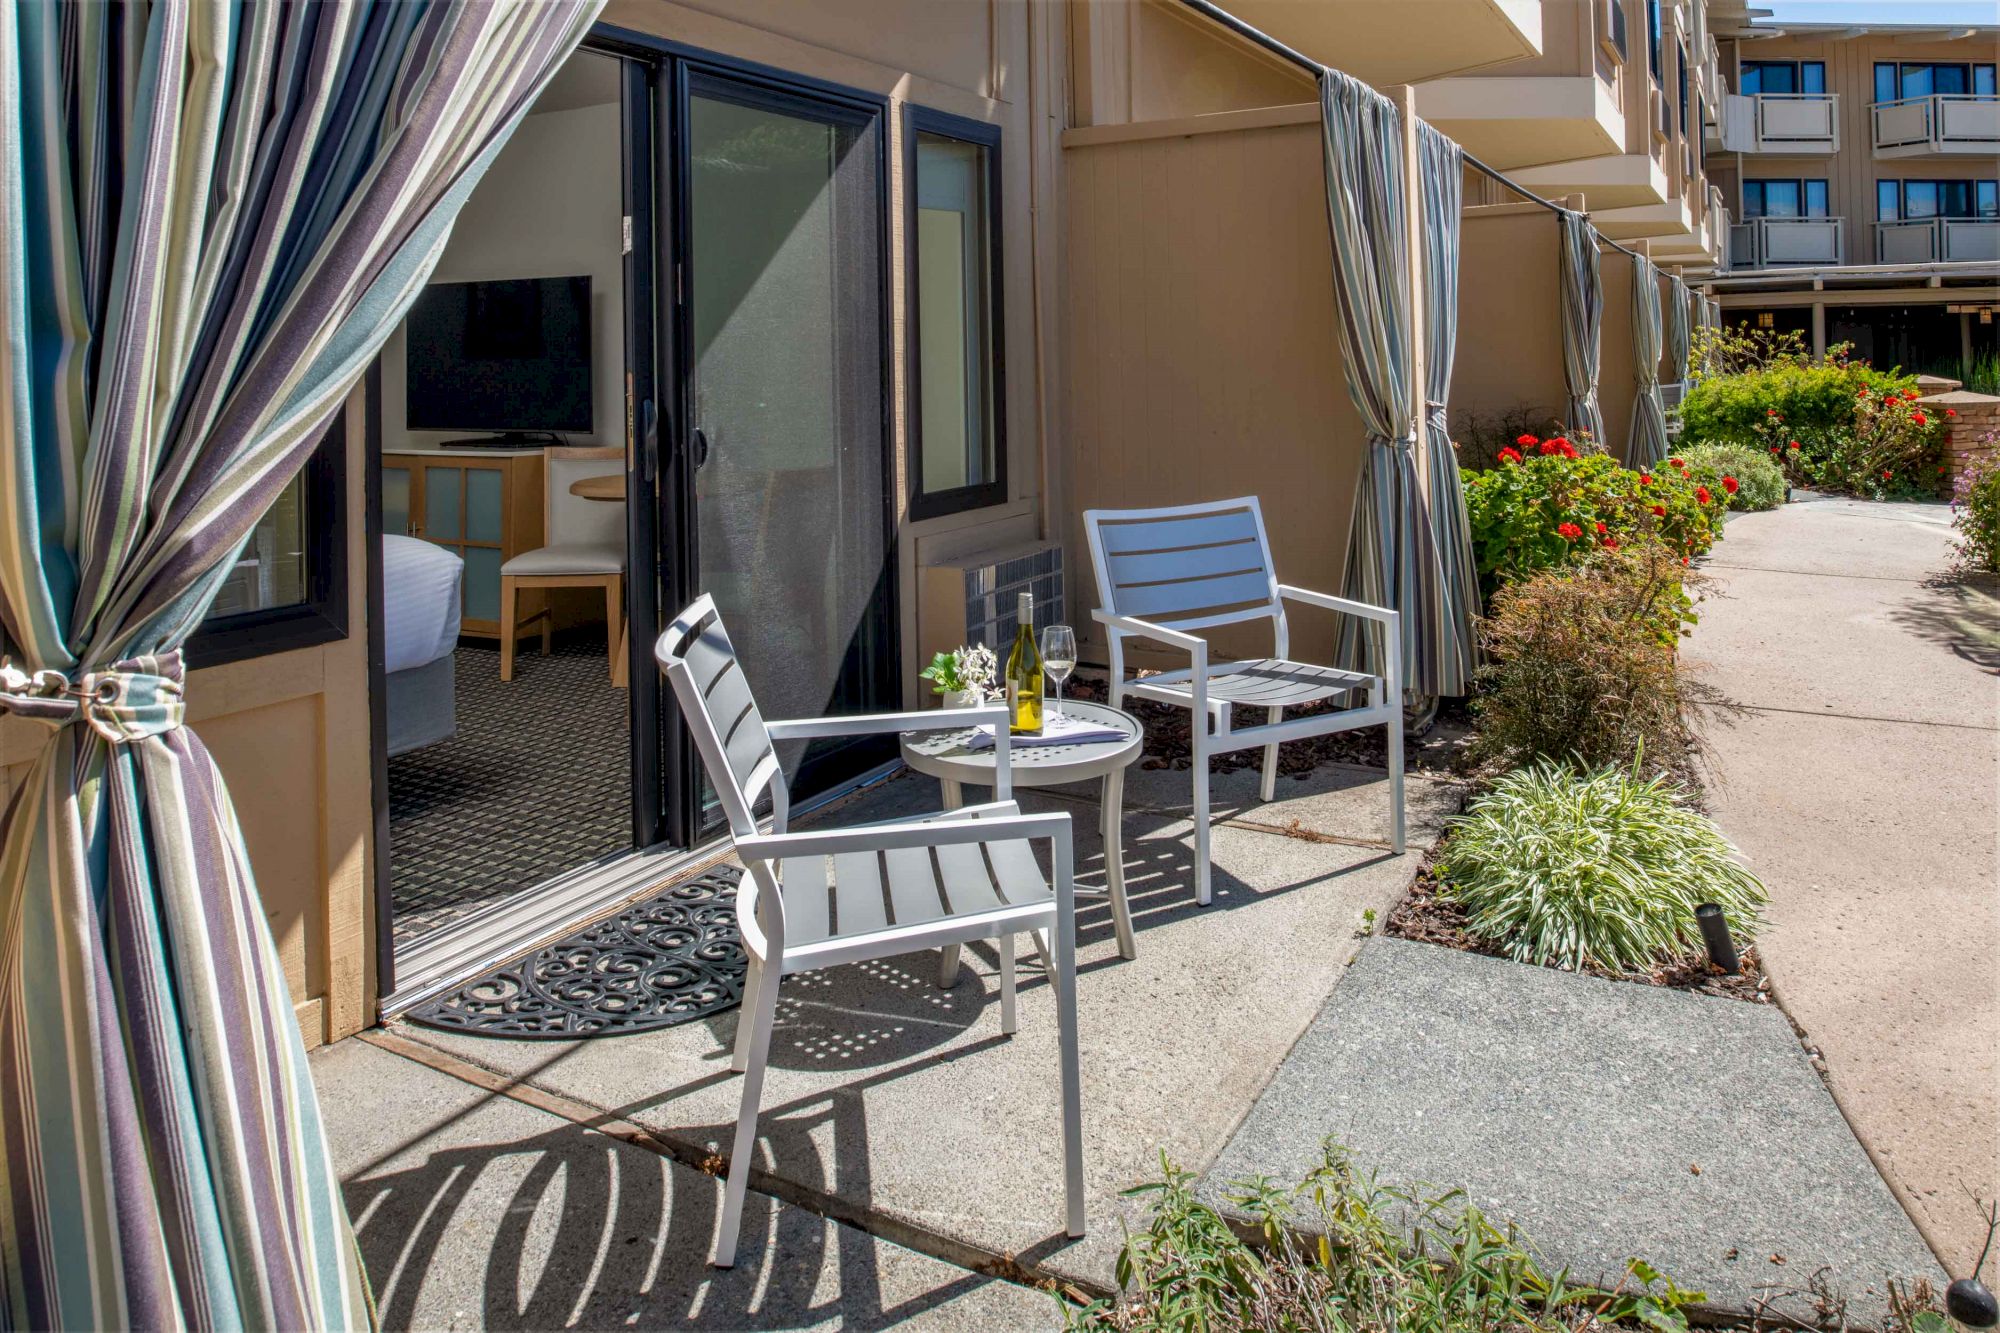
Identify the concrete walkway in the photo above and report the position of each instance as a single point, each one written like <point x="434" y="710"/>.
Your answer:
<point x="1862" y="784"/>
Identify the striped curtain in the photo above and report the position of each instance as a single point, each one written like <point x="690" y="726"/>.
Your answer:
<point x="1441" y="164"/>
<point x="213" y="216"/>
<point x="1583" y="323"/>
<point x="1649" y="415"/>
<point x="1391" y="557"/>
<point x="1677" y="329"/>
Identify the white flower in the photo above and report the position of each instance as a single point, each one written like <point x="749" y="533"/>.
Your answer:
<point x="978" y="670"/>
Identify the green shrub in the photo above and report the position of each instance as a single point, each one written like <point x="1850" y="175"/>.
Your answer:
<point x="1549" y="503"/>
<point x="1816" y="403"/>
<point x="1760" y="481"/>
<point x="1582" y="664"/>
<point x="1564" y="867"/>
<point x="1391" y="1258"/>
<point x="1893" y="448"/>
<point x="1975" y="511"/>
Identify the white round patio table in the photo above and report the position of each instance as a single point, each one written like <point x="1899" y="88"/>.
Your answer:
<point x="949" y="757"/>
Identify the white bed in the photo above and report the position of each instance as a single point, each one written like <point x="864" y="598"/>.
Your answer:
<point x="420" y="614"/>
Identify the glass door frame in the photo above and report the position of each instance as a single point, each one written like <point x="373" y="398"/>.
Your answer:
<point x="661" y="77"/>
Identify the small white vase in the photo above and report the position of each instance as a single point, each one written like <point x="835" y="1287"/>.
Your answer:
<point x="960" y="699"/>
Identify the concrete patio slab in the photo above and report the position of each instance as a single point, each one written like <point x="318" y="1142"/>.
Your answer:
<point x="891" y="1097"/>
<point x="476" y="1211"/>
<point x="1608" y="1119"/>
<point x="1875" y="837"/>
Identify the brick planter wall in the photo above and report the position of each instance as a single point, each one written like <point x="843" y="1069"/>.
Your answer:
<point x="1978" y="415"/>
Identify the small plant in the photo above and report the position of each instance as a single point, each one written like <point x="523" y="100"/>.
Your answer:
<point x="1760" y="480"/>
<point x="1383" y="1258"/>
<point x="1551" y="503"/>
<point x="1975" y="511"/>
<point x="969" y="670"/>
<point x="1570" y="868"/>
<point x="1582" y="664"/>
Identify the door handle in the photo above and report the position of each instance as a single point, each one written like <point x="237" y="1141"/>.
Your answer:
<point x="649" y="441"/>
<point x="699" y="453"/>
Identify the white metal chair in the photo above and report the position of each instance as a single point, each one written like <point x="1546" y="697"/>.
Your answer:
<point x="1163" y="574"/>
<point x="811" y="900"/>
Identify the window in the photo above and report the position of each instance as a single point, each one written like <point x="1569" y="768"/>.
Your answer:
<point x="1683" y="71"/>
<point x="1614" y="31"/>
<point x="1653" y="38"/>
<point x="957" y="438"/>
<point x="288" y="587"/>
<point x="1917" y="200"/>
<point x="1783" y="76"/>
<point x="1895" y="80"/>
<point x="1784" y="199"/>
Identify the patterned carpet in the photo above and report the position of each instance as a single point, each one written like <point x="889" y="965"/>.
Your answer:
<point x="537" y="781"/>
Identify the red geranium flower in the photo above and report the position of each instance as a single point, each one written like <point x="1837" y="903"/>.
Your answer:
<point x="1886" y="475"/>
<point x="1526" y="441"/>
<point x="1550" y="447"/>
<point x="1729" y="484"/>
<point x="1950" y="412"/>
<point x="1913" y="395"/>
<point x="1659" y="511"/>
<point x="1794" y="444"/>
<point x="1569" y="530"/>
<point x="1677" y="463"/>
<point x="1920" y="418"/>
<point x="1645" y="479"/>
<point x="1701" y="494"/>
<point x="1611" y="543"/>
<point x="1509" y="456"/>
<point x="1774" y="448"/>
<point x="1600" y="529"/>
<point x="1770" y="411"/>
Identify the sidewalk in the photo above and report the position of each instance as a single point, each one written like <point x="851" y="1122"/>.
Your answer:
<point x="1861" y="783"/>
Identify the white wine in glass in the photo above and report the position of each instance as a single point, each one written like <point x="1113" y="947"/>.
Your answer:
<point x="1058" y="657"/>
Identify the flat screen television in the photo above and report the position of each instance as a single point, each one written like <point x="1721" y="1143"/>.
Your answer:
<point x="511" y="358"/>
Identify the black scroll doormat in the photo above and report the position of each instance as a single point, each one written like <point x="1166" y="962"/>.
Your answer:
<point x="667" y="959"/>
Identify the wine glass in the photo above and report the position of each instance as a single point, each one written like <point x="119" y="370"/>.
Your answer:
<point x="1059" y="657"/>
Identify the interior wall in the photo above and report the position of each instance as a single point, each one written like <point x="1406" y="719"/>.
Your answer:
<point x="290" y="734"/>
<point x="1509" y="324"/>
<point x="548" y="207"/>
<point x="1202" y="354"/>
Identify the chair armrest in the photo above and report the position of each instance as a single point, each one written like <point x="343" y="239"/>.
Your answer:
<point x="876" y="724"/>
<point x="1159" y="633"/>
<point x="913" y="833"/>
<point x="1328" y="602"/>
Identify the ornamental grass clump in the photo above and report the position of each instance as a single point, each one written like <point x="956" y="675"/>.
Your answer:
<point x="1760" y="481"/>
<point x="1600" y="868"/>
<point x="1582" y="664"/>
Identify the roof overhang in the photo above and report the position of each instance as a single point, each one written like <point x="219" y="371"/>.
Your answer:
<point x="1526" y="121"/>
<point x="1387" y="42"/>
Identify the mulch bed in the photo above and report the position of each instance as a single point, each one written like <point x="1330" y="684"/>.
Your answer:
<point x="1440" y="751"/>
<point x="1427" y="917"/>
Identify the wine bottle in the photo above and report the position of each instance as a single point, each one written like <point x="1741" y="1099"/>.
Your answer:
<point x="1024" y="675"/>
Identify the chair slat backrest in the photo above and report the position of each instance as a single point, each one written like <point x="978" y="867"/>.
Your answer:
<point x="728" y="731"/>
<point x="1189" y="567"/>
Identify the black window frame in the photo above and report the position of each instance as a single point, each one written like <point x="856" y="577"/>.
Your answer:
<point x="985" y="494"/>
<point x="321" y="618"/>
<point x="1653" y="55"/>
<point x="1973" y="69"/>
<point x="1974" y="187"/>
<point x="1805" y="186"/>
<point x="1798" y="69"/>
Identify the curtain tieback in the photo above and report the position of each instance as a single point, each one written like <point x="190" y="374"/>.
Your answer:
<point x="127" y="702"/>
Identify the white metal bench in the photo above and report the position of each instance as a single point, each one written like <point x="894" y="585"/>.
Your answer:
<point x="811" y="900"/>
<point x="1163" y="574"/>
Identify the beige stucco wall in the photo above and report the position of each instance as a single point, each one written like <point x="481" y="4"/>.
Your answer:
<point x="1509" y="318"/>
<point x="290" y="734"/>
<point x="1203" y="358"/>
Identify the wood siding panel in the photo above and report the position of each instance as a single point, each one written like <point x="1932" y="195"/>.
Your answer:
<point x="1201" y="358"/>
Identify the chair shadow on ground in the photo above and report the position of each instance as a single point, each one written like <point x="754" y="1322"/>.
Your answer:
<point x="1960" y="615"/>
<point x="595" y="1233"/>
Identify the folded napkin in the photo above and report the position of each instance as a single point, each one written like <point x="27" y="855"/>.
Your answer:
<point x="1066" y="729"/>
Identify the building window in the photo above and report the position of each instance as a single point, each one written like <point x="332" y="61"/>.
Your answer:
<point x="1782" y="76"/>
<point x="1683" y="75"/>
<point x="1918" y="200"/>
<point x="958" y="456"/>
<point x="1784" y="199"/>
<point x="1895" y="80"/>
<point x="1653" y="38"/>
<point x="1614" y="30"/>
<point x="288" y="586"/>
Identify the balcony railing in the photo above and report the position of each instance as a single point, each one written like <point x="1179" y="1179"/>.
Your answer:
<point x="1786" y="242"/>
<point x="1941" y="123"/>
<point x="1781" y="123"/>
<point x="1938" y="240"/>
